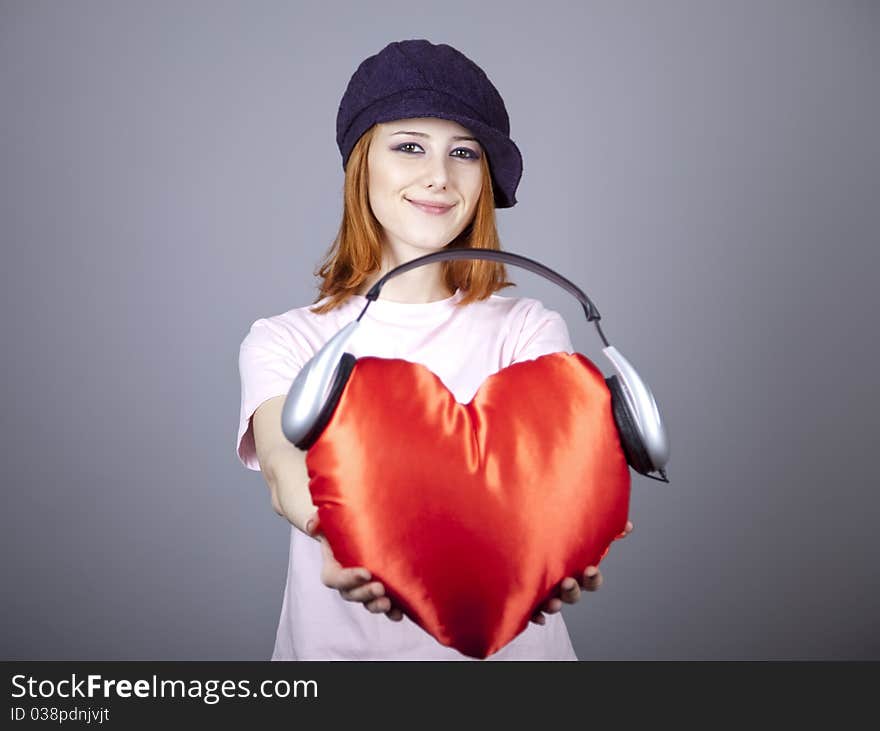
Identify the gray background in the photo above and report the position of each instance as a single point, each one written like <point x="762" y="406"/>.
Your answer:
<point x="706" y="171"/>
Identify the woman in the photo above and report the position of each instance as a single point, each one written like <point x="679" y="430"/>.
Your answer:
<point x="424" y="137"/>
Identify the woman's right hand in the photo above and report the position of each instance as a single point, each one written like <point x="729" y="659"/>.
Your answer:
<point x="353" y="583"/>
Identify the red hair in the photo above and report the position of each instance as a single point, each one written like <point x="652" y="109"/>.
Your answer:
<point x="357" y="250"/>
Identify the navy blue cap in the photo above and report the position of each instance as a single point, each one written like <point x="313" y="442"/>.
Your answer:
<point x="417" y="78"/>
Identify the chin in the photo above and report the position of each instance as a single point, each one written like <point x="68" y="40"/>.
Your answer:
<point x="429" y="249"/>
<point x="428" y="246"/>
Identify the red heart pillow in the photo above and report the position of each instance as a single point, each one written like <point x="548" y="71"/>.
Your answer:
<point x="471" y="514"/>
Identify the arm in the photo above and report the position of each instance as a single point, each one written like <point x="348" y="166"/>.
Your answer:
<point x="283" y="465"/>
<point x="284" y="469"/>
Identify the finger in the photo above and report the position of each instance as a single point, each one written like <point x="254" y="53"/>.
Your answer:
<point x="313" y="524"/>
<point x="347" y="578"/>
<point x="363" y="592"/>
<point x="551" y="606"/>
<point x="570" y="590"/>
<point x="629" y="527"/>
<point x="592" y="578"/>
<point x="394" y="614"/>
<point x="538" y="618"/>
<point x="377" y="606"/>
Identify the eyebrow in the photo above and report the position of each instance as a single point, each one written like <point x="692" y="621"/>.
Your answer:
<point x="422" y="134"/>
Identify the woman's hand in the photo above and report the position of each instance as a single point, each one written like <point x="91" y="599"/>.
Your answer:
<point x="353" y="583"/>
<point x="570" y="589"/>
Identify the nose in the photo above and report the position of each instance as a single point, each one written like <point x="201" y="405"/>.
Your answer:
<point x="436" y="176"/>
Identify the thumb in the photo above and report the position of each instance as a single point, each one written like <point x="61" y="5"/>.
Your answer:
<point x="313" y="523"/>
<point x="625" y="532"/>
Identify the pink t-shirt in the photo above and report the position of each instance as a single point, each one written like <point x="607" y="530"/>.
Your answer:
<point x="463" y="346"/>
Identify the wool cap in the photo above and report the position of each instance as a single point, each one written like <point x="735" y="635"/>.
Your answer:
<point x="417" y="78"/>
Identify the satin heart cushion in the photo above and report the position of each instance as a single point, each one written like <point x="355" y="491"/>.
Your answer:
<point x="471" y="515"/>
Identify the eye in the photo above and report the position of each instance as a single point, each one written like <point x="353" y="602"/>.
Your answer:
<point x="471" y="155"/>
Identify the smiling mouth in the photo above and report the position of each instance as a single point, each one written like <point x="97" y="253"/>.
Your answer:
<point x="433" y="210"/>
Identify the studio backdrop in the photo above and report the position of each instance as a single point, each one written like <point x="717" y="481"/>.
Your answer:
<point x="706" y="172"/>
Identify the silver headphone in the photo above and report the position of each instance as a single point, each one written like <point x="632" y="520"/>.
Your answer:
<point x="316" y="390"/>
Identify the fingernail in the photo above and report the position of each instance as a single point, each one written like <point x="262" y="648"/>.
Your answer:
<point x="309" y="523"/>
<point x="592" y="571"/>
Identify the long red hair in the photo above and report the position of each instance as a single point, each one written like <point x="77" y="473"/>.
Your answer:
<point x="357" y="250"/>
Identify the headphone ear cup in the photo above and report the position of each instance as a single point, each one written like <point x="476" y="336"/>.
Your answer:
<point x="630" y="439"/>
<point x="343" y="371"/>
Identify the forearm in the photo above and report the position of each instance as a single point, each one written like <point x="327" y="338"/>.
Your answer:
<point x="288" y="479"/>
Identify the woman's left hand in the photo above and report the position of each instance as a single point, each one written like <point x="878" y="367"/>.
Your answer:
<point x="570" y="588"/>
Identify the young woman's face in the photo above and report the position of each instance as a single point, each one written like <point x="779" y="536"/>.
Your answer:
<point x="423" y="159"/>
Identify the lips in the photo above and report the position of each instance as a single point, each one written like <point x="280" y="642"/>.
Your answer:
<point x="434" y="209"/>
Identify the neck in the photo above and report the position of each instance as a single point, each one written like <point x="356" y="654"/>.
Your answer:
<point x="417" y="286"/>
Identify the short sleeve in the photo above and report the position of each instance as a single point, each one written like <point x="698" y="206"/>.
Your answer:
<point x="543" y="331"/>
<point x="269" y="359"/>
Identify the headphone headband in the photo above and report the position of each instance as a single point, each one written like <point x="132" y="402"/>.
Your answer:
<point x="315" y="391"/>
<point x="505" y="257"/>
